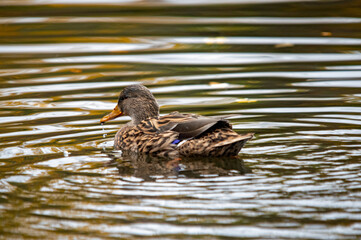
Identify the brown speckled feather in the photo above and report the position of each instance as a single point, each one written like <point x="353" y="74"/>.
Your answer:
<point x="203" y="136"/>
<point x="219" y="142"/>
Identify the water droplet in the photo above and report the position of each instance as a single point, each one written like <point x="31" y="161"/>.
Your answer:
<point x="104" y="134"/>
<point x="66" y="153"/>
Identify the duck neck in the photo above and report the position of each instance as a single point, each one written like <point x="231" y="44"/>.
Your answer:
<point x="144" y="110"/>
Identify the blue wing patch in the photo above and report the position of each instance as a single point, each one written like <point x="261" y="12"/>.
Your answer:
<point x="176" y="141"/>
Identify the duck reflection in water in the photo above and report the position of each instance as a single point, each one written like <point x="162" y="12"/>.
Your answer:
<point x="172" y="136"/>
<point x="150" y="168"/>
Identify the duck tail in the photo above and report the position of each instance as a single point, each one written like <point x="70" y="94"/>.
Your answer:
<point x="231" y="146"/>
<point x="234" y="139"/>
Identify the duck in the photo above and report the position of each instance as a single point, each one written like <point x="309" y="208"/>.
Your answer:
<point x="174" y="135"/>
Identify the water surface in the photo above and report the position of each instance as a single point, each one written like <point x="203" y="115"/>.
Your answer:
<point x="289" y="71"/>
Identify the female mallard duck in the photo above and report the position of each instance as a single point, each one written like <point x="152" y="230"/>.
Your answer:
<point x="171" y="135"/>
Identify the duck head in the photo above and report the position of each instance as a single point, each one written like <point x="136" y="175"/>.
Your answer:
<point x="137" y="102"/>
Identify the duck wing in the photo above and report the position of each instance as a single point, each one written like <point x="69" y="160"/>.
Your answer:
<point x="196" y="127"/>
<point x="190" y="125"/>
<point x="187" y="125"/>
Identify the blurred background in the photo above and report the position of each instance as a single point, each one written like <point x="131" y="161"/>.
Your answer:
<point x="287" y="70"/>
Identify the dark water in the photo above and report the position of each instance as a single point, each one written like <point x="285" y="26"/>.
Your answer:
<point x="290" y="71"/>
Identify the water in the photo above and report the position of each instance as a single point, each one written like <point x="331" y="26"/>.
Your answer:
<point x="287" y="70"/>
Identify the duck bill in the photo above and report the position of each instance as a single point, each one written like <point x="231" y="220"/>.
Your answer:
<point x="114" y="114"/>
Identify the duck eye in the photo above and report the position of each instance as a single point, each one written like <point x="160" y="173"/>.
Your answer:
<point x="122" y="98"/>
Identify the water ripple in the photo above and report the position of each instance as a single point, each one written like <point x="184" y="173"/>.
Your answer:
<point x="75" y="48"/>
<point x="185" y="20"/>
<point x="209" y="58"/>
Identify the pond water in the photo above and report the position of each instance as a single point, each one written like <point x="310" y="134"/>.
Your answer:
<point x="289" y="71"/>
